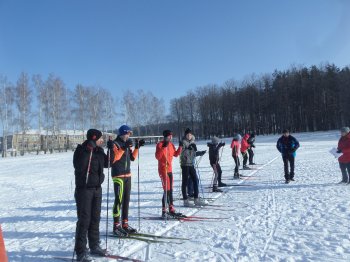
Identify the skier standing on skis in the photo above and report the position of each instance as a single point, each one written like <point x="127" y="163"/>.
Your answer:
<point x="214" y="158"/>
<point x="89" y="160"/>
<point x="187" y="159"/>
<point x="244" y="150"/>
<point x="344" y="159"/>
<point x="236" y="147"/>
<point x="165" y="151"/>
<point x="251" y="141"/>
<point x="287" y="145"/>
<point x="121" y="155"/>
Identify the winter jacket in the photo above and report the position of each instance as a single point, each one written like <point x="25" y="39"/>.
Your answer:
<point x="251" y="141"/>
<point x="214" y="154"/>
<point x="344" y="147"/>
<point x="81" y="160"/>
<point x="189" y="152"/>
<point x="287" y="145"/>
<point x="165" y="155"/>
<point x="236" y="147"/>
<point x="244" y="143"/>
<point x="121" y="155"/>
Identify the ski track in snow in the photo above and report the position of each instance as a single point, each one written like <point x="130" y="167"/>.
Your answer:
<point x="306" y="220"/>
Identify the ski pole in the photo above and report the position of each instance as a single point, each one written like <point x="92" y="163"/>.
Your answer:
<point x="166" y="184"/>
<point x="138" y="187"/>
<point x="109" y="166"/>
<point x="199" y="176"/>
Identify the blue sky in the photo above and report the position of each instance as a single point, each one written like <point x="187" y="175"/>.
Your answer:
<point x="168" y="47"/>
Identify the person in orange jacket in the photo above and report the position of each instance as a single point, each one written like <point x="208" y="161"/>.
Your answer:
<point x="165" y="151"/>
<point x="244" y="150"/>
<point x="121" y="155"/>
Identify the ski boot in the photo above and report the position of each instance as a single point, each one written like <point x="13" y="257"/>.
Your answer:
<point x="236" y="176"/>
<point x="246" y="167"/>
<point x="98" y="251"/>
<point x="128" y="229"/>
<point x="287" y="181"/>
<point x="84" y="257"/>
<point x="119" y="231"/>
<point x="221" y="184"/>
<point x="200" y="202"/>
<point x="216" y="189"/>
<point x="187" y="203"/>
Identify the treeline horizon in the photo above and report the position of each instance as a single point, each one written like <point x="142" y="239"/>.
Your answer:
<point x="302" y="99"/>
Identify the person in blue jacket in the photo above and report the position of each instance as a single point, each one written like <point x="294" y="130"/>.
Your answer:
<point x="287" y="145"/>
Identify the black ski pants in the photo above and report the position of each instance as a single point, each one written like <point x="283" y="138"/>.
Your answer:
<point x="88" y="201"/>
<point x="288" y="160"/>
<point x="345" y="171"/>
<point x="122" y="189"/>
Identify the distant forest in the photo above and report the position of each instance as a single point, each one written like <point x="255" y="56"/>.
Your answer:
<point x="300" y="99"/>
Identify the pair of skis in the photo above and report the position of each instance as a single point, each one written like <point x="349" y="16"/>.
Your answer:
<point x="152" y="238"/>
<point x="109" y="256"/>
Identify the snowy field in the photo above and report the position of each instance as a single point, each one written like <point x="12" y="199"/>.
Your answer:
<point x="261" y="220"/>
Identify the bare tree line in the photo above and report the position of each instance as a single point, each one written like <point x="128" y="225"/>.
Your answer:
<point x="300" y="98"/>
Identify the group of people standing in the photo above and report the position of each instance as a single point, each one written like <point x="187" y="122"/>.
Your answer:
<point x="89" y="161"/>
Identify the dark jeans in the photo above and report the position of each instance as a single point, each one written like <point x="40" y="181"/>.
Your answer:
<point x="345" y="171"/>
<point x="237" y="162"/>
<point x="217" y="174"/>
<point x="122" y="188"/>
<point x="190" y="181"/>
<point x="245" y="158"/>
<point x="88" y="201"/>
<point x="251" y="156"/>
<point x="288" y="160"/>
<point x="190" y="186"/>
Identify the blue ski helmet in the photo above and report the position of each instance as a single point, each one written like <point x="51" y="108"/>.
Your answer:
<point x="124" y="129"/>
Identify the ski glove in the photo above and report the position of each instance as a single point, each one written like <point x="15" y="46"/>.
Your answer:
<point x="339" y="151"/>
<point x="201" y="153"/>
<point x="221" y="144"/>
<point x="128" y="144"/>
<point x="110" y="144"/>
<point x="181" y="144"/>
<point x="192" y="146"/>
<point x="139" y="143"/>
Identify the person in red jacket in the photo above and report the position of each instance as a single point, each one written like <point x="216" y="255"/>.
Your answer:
<point x="244" y="151"/>
<point x="344" y="159"/>
<point x="236" y="147"/>
<point x="165" y="151"/>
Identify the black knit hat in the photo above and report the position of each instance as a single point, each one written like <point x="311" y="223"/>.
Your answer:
<point x="167" y="133"/>
<point x="285" y="131"/>
<point x="93" y="134"/>
<point x="188" y="131"/>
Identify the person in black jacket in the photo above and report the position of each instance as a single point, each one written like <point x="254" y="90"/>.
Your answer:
<point x="251" y="141"/>
<point x="89" y="160"/>
<point x="214" y="158"/>
<point x="287" y="145"/>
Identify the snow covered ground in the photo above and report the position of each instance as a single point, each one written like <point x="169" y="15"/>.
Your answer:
<point x="262" y="220"/>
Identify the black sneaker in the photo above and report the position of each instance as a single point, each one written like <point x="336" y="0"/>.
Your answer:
<point x="119" y="231"/>
<point x="84" y="257"/>
<point x="128" y="229"/>
<point x="287" y="181"/>
<point x="292" y="179"/>
<point x="236" y="176"/>
<point x="98" y="251"/>
<point x="246" y="168"/>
